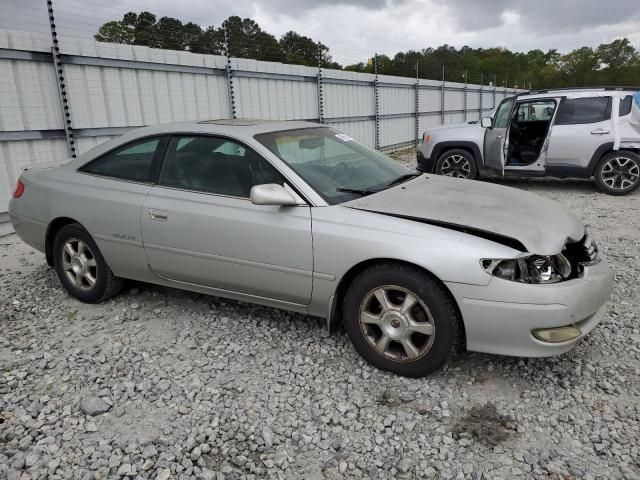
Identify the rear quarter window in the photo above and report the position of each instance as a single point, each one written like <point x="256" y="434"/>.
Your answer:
<point x="131" y="162"/>
<point x="625" y="105"/>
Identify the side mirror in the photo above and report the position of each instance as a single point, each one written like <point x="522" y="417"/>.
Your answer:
<point x="486" y="122"/>
<point x="271" y="194"/>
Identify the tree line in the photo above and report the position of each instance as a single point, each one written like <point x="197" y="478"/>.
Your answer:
<point x="614" y="63"/>
<point x="245" y="39"/>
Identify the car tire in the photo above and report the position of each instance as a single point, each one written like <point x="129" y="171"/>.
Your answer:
<point x="411" y="342"/>
<point x="618" y="173"/>
<point x="80" y="266"/>
<point x="457" y="163"/>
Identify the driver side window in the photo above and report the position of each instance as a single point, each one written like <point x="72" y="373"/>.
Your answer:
<point x="502" y="115"/>
<point x="214" y="165"/>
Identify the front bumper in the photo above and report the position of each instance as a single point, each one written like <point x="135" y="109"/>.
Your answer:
<point x="499" y="318"/>
<point x="424" y="164"/>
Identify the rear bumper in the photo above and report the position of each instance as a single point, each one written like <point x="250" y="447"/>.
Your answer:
<point x="499" y="318"/>
<point x="30" y="231"/>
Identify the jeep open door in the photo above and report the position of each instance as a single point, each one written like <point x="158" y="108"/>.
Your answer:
<point x="494" y="137"/>
<point x="518" y="139"/>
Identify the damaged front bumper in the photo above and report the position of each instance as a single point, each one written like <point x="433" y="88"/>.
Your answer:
<point x="527" y="320"/>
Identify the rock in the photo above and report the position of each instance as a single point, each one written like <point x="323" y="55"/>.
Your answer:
<point x="93" y="406"/>
<point x="124" y="470"/>
<point x="163" y="474"/>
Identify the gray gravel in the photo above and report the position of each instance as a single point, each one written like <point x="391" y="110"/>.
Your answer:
<point x="159" y="383"/>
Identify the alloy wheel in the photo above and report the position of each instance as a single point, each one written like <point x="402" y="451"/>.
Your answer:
<point x="456" y="166"/>
<point x="79" y="264"/>
<point x="620" y="173"/>
<point x="396" y="323"/>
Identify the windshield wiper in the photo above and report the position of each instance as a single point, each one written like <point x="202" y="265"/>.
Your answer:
<point x="356" y="191"/>
<point x="401" y="179"/>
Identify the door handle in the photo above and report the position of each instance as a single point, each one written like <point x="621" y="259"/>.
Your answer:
<point x="158" y="215"/>
<point x="499" y="137"/>
<point x="599" y="131"/>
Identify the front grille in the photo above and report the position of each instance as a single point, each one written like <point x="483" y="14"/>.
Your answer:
<point x="584" y="252"/>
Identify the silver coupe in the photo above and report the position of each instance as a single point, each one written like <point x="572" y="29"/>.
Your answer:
<point x="296" y="215"/>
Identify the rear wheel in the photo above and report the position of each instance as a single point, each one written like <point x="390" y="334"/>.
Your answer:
<point x="618" y="173"/>
<point x="457" y="163"/>
<point x="400" y="319"/>
<point x="80" y="266"/>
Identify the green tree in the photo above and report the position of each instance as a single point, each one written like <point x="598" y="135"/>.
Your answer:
<point x="115" y="32"/>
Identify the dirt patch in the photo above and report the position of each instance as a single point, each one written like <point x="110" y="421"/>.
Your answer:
<point x="485" y="424"/>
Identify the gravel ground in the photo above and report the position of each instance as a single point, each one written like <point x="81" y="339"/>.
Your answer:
<point x="159" y="383"/>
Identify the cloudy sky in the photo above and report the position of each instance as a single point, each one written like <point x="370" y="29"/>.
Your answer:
<point x="353" y="30"/>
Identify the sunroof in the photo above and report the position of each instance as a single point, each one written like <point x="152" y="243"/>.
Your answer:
<point x="236" y="121"/>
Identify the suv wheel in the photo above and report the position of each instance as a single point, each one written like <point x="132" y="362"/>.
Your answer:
<point x="457" y="163"/>
<point x="618" y="173"/>
<point x="400" y="319"/>
<point x="80" y="266"/>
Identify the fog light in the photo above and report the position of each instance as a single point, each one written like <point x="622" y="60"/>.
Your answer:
<point x="556" y="335"/>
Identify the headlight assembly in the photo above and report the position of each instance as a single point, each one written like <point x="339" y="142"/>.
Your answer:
<point x="530" y="269"/>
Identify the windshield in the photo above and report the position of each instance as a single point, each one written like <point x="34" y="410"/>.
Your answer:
<point x="334" y="164"/>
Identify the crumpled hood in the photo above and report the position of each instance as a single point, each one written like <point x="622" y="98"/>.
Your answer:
<point x="541" y="225"/>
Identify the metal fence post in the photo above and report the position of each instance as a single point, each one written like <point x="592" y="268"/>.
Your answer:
<point x="376" y="94"/>
<point x="230" y="92"/>
<point x="60" y="81"/>
<point x="494" y="91"/>
<point x="320" y="87"/>
<point x="465" y="100"/>
<point x="417" y="132"/>
<point x="480" y="102"/>
<point x="442" y="98"/>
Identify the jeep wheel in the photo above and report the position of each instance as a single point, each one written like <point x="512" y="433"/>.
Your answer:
<point x="618" y="173"/>
<point x="457" y="163"/>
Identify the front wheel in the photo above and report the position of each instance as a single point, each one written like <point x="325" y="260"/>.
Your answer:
<point x="81" y="267"/>
<point x="401" y="319"/>
<point x="618" y="173"/>
<point x="457" y="163"/>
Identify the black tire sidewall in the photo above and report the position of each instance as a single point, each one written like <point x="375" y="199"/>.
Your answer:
<point x="470" y="158"/>
<point x="598" y="173"/>
<point x="433" y="296"/>
<point x="97" y="293"/>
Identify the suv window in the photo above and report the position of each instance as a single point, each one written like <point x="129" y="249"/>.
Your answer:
<point x="214" y="165"/>
<point x="535" y="110"/>
<point x="625" y="105"/>
<point x="584" y="110"/>
<point x="501" y="119"/>
<point x="131" y="162"/>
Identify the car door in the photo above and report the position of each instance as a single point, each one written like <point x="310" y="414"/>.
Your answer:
<point x="494" y="137"/>
<point x="581" y="127"/>
<point x="199" y="226"/>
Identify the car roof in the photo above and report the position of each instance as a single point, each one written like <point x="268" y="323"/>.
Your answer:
<point x="239" y="126"/>
<point x="579" y="91"/>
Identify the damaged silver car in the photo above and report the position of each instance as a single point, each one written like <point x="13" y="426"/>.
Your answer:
<point x="301" y="217"/>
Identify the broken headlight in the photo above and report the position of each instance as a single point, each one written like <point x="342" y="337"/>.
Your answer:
<point x="530" y="269"/>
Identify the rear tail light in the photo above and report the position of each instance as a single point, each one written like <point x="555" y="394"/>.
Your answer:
<point x="17" y="193"/>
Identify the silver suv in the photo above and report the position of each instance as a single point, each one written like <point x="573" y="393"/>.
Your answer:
<point x="576" y="132"/>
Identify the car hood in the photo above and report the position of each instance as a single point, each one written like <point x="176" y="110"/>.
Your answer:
<point x="506" y="215"/>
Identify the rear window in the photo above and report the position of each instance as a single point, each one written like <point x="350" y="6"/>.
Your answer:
<point x="584" y="110"/>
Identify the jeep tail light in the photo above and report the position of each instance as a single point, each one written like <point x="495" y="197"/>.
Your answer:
<point x="17" y="193"/>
